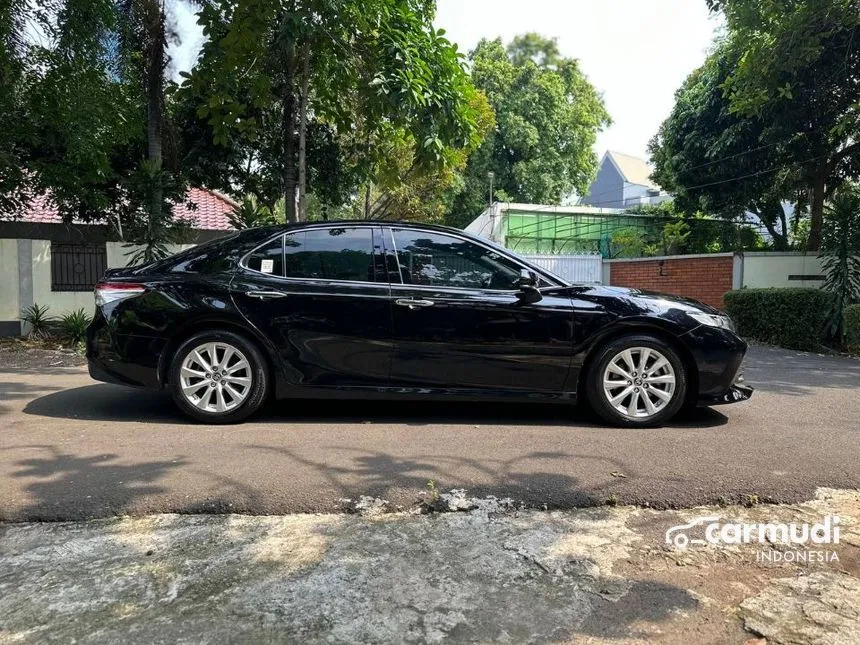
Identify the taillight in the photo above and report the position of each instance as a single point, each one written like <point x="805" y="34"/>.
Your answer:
<point x="112" y="291"/>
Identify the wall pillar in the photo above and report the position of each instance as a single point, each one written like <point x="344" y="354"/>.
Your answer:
<point x="25" y="278"/>
<point x="738" y="271"/>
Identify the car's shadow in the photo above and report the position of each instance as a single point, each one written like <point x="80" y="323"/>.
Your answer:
<point x="102" y="402"/>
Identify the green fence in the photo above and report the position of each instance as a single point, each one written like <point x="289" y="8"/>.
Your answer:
<point x="623" y="235"/>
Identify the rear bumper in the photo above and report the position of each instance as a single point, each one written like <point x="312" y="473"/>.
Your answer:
<point x="124" y="359"/>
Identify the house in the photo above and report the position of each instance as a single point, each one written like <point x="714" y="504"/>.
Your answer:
<point x="46" y="262"/>
<point x="623" y="181"/>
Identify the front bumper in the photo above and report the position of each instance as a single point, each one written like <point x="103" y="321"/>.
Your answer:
<point x="737" y="392"/>
<point x="718" y="354"/>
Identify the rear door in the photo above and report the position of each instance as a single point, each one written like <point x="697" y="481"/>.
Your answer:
<point x="458" y="322"/>
<point x="322" y="296"/>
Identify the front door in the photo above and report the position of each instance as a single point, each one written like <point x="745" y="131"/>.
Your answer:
<point x="458" y="322"/>
<point x="323" y="298"/>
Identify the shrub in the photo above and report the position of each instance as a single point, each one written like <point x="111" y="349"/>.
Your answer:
<point x="852" y="327"/>
<point x="41" y="324"/>
<point x="73" y="326"/>
<point x="793" y="317"/>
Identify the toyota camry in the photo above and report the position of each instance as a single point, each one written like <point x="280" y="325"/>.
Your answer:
<point x="364" y="309"/>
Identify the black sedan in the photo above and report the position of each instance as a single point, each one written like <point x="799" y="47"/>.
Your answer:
<point x="354" y="309"/>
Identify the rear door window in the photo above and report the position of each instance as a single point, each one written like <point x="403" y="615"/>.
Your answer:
<point x="340" y="253"/>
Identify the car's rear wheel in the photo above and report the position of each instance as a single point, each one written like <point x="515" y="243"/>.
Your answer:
<point x="218" y="377"/>
<point x="637" y="381"/>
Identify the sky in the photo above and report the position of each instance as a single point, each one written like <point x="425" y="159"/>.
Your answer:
<point x="635" y="52"/>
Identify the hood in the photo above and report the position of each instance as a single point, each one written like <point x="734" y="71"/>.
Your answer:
<point x="649" y="299"/>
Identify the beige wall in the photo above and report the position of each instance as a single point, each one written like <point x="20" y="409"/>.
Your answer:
<point x="59" y="302"/>
<point x="10" y="307"/>
<point x="773" y="269"/>
<point x="65" y="301"/>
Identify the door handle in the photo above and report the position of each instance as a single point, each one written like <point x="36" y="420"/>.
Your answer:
<point x="264" y="295"/>
<point x="413" y="304"/>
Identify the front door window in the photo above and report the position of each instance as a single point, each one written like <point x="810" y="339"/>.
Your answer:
<point x="439" y="260"/>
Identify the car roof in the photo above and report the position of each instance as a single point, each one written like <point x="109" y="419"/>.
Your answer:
<point x="364" y="223"/>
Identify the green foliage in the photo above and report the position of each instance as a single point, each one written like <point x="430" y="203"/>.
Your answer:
<point x="547" y="119"/>
<point x="73" y="326"/>
<point x="40" y="323"/>
<point x="251" y="213"/>
<point x="852" y="328"/>
<point x="404" y="190"/>
<point x="149" y="230"/>
<point x="71" y="124"/>
<point x="794" y="318"/>
<point x="366" y="70"/>
<point x="628" y="242"/>
<point x="794" y="69"/>
<point x="674" y="237"/>
<point x="713" y="159"/>
<point x="840" y="254"/>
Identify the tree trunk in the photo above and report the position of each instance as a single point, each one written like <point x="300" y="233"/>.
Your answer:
<point x="288" y="133"/>
<point x="367" y="201"/>
<point x="816" y="213"/>
<point x="155" y="114"/>
<point x="303" y="127"/>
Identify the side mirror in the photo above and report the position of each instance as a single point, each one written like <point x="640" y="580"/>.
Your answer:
<point x="528" y="286"/>
<point x="528" y="280"/>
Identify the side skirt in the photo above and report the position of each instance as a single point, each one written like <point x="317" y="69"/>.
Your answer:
<point x="431" y="394"/>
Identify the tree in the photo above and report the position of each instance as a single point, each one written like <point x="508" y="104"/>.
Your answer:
<point x="72" y="127"/>
<point x="797" y="69"/>
<point x="547" y="119"/>
<point x="840" y="254"/>
<point x="718" y="161"/>
<point x="364" y="69"/>
<point x="406" y="190"/>
<point x="94" y="135"/>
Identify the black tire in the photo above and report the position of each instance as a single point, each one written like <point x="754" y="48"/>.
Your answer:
<point x="605" y="354"/>
<point x="258" y="388"/>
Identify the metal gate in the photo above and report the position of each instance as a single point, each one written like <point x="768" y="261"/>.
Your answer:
<point x="574" y="268"/>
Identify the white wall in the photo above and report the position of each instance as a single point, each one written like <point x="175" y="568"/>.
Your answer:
<point x="773" y="270"/>
<point x="10" y="307"/>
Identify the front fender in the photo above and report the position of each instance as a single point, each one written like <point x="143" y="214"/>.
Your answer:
<point x="667" y="329"/>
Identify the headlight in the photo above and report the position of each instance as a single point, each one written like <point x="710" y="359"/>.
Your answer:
<point x="723" y="322"/>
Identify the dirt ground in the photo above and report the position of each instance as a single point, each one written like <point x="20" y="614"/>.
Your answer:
<point x="17" y="353"/>
<point x="495" y="573"/>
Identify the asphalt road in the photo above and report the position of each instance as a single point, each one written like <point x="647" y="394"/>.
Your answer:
<point x="72" y="448"/>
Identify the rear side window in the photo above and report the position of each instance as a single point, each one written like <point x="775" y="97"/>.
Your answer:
<point x="269" y="259"/>
<point x="331" y="254"/>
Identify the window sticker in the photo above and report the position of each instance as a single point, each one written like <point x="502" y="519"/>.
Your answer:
<point x="267" y="266"/>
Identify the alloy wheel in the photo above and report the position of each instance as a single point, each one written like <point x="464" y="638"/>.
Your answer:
<point x="215" y="377"/>
<point x="639" y="382"/>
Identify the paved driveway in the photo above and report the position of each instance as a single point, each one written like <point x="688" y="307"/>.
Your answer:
<point x="73" y="448"/>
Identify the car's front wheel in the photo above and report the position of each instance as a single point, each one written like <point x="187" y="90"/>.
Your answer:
<point x="637" y="381"/>
<point x="218" y="377"/>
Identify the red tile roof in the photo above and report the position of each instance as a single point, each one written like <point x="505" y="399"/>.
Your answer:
<point x="210" y="214"/>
